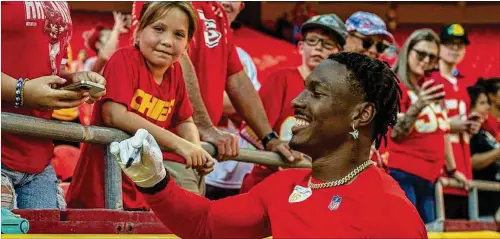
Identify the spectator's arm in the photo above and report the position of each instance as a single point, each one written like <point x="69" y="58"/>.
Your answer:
<point x="406" y="122"/>
<point x="483" y="160"/>
<point x="228" y="106"/>
<point x="8" y="88"/>
<point x="116" y="115"/>
<point x="246" y="101"/>
<point x="200" y="116"/>
<point x="188" y="131"/>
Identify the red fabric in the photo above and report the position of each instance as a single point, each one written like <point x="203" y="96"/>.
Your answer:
<point x="266" y="210"/>
<point x="129" y="82"/>
<point x="276" y="94"/>
<point x="457" y="105"/>
<point x="27" y="43"/>
<point x="422" y="152"/>
<point x="492" y="125"/>
<point x="214" y="56"/>
<point x="268" y="53"/>
<point x="65" y="160"/>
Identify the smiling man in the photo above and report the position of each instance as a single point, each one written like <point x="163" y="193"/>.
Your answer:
<point x="323" y="35"/>
<point x="348" y="102"/>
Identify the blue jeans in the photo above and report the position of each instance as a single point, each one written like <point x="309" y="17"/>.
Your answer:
<point x="419" y="191"/>
<point x="33" y="191"/>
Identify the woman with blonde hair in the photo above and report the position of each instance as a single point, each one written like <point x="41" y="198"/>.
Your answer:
<point x="417" y="143"/>
<point x="146" y="90"/>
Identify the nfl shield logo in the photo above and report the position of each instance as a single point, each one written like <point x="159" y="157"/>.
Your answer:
<point x="335" y="203"/>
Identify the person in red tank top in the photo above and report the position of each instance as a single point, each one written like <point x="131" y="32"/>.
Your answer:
<point x="147" y="91"/>
<point x="454" y="40"/>
<point x="323" y="35"/>
<point x="348" y="103"/>
<point x="418" y="147"/>
<point x="35" y="36"/>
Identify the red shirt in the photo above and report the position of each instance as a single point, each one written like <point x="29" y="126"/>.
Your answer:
<point x="34" y="40"/>
<point x="457" y="105"/>
<point x="346" y="211"/>
<point x="422" y="152"/>
<point x="214" y="56"/>
<point x="492" y="125"/>
<point x="129" y="82"/>
<point x="277" y="93"/>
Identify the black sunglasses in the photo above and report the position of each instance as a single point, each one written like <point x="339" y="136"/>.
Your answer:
<point x="421" y="55"/>
<point x="367" y="43"/>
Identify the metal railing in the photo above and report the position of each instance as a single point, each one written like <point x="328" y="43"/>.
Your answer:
<point x="59" y="130"/>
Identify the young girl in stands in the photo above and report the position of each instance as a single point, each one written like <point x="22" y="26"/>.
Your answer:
<point x="417" y="143"/>
<point x="146" y="90"/>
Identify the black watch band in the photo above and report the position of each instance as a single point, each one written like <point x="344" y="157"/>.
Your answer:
<point x="269" y="137"/>
<point x="156" y="188"/>
<point x="451" y="172"/>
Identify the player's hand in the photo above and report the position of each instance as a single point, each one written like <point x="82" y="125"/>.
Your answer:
<point x="147" y="168"/>
<point x="227" y="144"/>
<point x="89" y="76"/>
<point x="430" y="93"/>
<point x="194" y="155"/>
<point x="39" y="93"/>
<point x="462" y="179"/>
<point x="292" y="156"/>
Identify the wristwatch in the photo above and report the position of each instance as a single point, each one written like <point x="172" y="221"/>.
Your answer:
<point x="451" y="172"/>
<point x="269" y="137"/>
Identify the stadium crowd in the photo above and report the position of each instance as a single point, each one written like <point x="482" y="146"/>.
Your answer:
<point x="184" y="80"/>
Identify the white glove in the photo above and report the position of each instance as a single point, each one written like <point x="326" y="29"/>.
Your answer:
<point x="147" y="168"/>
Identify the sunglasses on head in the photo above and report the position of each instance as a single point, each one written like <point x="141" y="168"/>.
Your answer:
<point x="421" y="55"/>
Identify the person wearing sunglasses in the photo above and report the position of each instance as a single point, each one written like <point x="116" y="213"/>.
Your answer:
<point x="323" y="35"/>
<point x="367" y="34"/>
<point x="454" y="40"/>
<point x="418" y="147"/>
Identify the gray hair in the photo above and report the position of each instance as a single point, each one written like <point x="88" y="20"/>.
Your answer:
<point x="401" y="67"/>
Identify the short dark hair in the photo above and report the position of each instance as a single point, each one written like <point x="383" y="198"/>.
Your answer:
<point x="474" y="92"/>
<point x="380" y="87"/>
<point x="491" y="85"/>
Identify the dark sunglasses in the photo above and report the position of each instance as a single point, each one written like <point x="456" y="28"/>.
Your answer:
<point x="327" y="44"/>
<point x="367" y="43"/>
<point x="421" y="55"/>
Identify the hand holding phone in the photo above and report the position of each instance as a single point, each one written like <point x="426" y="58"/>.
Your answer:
<point x="84" y="85"/>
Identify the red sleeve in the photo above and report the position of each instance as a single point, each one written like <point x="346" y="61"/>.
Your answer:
<point x="189" y="215"/>
<point x="272" y="94"/>
<point x="183" y="107"/>
<point x="405" y="101"/>
<point x="233" y="62"/>
<point x="119" y="75"/>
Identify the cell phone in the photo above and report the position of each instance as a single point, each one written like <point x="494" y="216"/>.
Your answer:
<point x="474" y="118"/>
<point x="91" y="87"/>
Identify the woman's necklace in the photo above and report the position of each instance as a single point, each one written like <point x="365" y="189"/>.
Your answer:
<point x="343" y="180"/>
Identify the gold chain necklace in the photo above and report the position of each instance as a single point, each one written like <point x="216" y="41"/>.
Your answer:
<point x="343" y="180"/>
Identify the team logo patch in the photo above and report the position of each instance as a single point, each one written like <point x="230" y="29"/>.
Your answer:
<point x="299" y="194"/>
<point x="335" y="203"/>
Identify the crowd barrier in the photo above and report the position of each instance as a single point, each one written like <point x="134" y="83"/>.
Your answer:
<point x="59" y="130"/>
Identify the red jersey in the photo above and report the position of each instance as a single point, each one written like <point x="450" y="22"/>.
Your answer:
<point x="129" y="82"/>
<point x="277" y="93"/>
<point x="492" y="125"/>
<point x="422" y="152"/>
<point x="214" y="56"/>
<point x="457" y="104"/>
<point x="35" y="36"/>
<point x="283" y="207"/>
